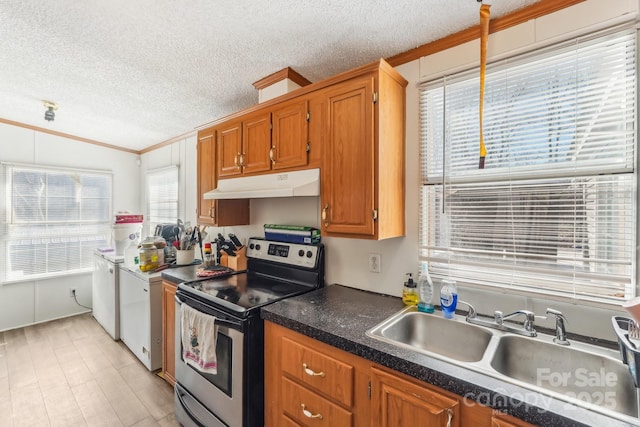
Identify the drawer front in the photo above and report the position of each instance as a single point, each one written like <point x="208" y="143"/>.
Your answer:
<point x="320" y="371"/>
<point x="288" y="422"/>
<point x="311" y="409"/>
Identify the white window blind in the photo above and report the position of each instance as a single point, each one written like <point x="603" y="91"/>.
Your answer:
<point x="54" y="219"/>
<point x="554" y="210"/>
<point x="162" y="196"/>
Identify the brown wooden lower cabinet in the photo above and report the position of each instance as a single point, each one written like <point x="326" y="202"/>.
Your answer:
<point x="168" y="331"/>
<point x="310" y="383"/>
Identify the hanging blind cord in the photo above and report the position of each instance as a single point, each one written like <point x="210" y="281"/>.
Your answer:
<point x="484" y="38"/>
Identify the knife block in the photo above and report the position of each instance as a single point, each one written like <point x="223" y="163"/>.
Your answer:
<point x="237" y="262"/>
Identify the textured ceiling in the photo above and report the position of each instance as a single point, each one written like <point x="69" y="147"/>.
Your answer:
<point x="136" y="73"/>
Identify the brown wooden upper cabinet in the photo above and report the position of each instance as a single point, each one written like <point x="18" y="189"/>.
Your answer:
<point x="215" y="212"/>
<point x="244" y="145"/>
<point x="363" y="166"/>
<point x="351" y="126"/>
<point x="265" y="140"/>
<point x="289" y="139"/>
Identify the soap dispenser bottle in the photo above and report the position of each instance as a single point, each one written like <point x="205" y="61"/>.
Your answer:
<point x="410" y="292"/>
<point x="425" y="291"/>
<point x="448" y="298"/>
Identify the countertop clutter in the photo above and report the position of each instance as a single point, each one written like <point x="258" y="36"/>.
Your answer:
<point x="340" y="316"/>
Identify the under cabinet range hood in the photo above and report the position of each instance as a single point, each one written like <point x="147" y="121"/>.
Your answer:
<point x="285" y="184"/>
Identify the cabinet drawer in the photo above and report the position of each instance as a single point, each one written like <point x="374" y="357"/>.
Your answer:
<point x="310" y="409"/>
<point x="318" y="370"/>
<point x="288" y="422"/>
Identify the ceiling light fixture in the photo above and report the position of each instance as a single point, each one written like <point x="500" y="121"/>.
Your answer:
<point x="50" y="114"/>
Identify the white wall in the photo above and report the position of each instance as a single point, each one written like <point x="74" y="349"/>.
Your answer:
<point x="181" y="153"/>
<point x="29" y="302"/>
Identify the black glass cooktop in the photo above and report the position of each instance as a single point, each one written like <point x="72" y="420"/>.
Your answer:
<point x="243" y="292"/>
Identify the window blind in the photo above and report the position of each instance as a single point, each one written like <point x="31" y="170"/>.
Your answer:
<point x="554" y="210"/>
<point x="162" y="196"/>
<point x="54" y="218"/>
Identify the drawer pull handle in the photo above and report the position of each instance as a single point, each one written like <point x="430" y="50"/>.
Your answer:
<point x="312" y="373"/>
<point x="307" y="413"/>
<point x="449" y="417"/>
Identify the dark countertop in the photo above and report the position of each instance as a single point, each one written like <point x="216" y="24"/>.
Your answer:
<point x="340" y="316"/>
<point x="181" y="274"/>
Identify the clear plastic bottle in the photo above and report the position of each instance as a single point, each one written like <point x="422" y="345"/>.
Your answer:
<point x="425" y="290"/>
<point x="448" y="298"/>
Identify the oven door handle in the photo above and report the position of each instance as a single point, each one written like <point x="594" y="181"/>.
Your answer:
<point x="219" y="321"/>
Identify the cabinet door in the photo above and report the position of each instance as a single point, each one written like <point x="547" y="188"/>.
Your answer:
<point x="347" y="200"/>
<point x="229" y="149"/>
<point x="289" y="137"/>
<point x="206" y="174"/>
<point x="396" y="402"/>
<point x="219" y="213"/>
<point x="256" y="143"/>
<point x="168" y="332"/>
<point x="317" y="128"/>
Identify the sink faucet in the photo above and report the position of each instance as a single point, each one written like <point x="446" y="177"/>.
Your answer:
<point x="498" y="321"/>
<point x="471" y="314"/>
<point x="529" y="318"/>
<point x="561" y="332"/>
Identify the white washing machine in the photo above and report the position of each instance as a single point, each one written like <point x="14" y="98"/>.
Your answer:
<point x="106" y="292"/>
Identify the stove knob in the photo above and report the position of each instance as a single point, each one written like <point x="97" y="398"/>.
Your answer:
<point x="300" y="252"/>
<point x="251" y="246"/>
<point x="258" y="246"/>
<point x="309" y="254"/>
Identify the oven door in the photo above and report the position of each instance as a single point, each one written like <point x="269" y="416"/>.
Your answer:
<point x="221" y="394"/>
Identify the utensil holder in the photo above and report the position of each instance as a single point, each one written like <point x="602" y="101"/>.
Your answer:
<point x="237" y="262"/>
<point x="185" y="257"/>
<point x="628" y="352"/>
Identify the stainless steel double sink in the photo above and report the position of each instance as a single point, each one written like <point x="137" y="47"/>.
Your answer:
<point x="586" y="375"/>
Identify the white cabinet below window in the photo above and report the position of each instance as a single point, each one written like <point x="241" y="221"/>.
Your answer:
<point x="141" y="315"/>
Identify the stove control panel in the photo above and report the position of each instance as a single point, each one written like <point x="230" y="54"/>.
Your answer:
<point x="286" y="253"/>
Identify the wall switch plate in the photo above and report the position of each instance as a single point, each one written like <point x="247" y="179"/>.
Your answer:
<point x="375" y="263"/>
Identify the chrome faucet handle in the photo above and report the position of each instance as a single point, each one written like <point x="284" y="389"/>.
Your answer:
<point x="561" y="332"/>
<point x="471" y="314"/>
<point x="498" y="317"/>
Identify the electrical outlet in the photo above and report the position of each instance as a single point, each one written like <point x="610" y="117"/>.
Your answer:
<point x="375" y="263"/>
<point x="72" y="292"/>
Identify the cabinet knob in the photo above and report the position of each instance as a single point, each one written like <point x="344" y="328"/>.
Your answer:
<point x="271" y="155"/>
<point x="310" y="372"/>
<point x="324" y="215"/>
<point x="235" y="161"/>
<point x="307" y="413"/>
<point x="242" y="164"/>
<point x="212" y="212"/>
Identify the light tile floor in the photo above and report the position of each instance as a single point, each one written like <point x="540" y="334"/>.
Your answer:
<point x="70" y="372"/>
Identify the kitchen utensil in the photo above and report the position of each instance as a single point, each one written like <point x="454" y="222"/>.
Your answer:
<point x="231" y="245"/>
<point x="200" y="242"/>
<point x="234" y="239"/>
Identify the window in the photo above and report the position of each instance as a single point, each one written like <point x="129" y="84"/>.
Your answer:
<point x="554" y="210"/>
<point x="162" y="196"/>
<point x="53" y="221"/>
